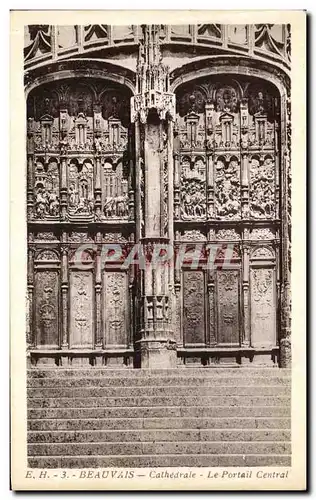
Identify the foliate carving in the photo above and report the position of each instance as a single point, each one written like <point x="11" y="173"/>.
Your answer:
<point x="228" y="291"/>
<point x="193" y="189"/>
<point x="48" y="236"/>
<point x="47" y="255"/>
<point x="262" y="253"/>
<point x="113" y="237"/>
<point x="262" y="189"/>
<point x="115" y="311"/>
<point x="46" y="190"/>
<point x="227" y="189"/>
<point x="193" y="307"/>
<point x="115" y="191"/>
<point x="80" y="190"/>
<point x="262" y="307"/>
<point x="81" y="309"/>
<point x="262" y="282"/>
<point x="193" y="235"/>
<point x="46" y="307"/>
<point x="262" y="233"/>
<point x="79" y="237"/>
<point x="227" y="234"/>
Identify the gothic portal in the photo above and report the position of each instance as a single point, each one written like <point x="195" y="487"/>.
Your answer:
<point x="125" y="150"/>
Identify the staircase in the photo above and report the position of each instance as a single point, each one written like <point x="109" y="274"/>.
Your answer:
<point x="189" y="417"/>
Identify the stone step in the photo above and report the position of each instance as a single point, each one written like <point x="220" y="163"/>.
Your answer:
<point x="188" y="460"/>
<point x="95" y="402"/>
<point x="159" y="418"/>
<point x="98" y="392"/>
<point x="165" y="373"/>
<point x="161" y="411"/>
<point x="219" y="423"/>
<point x="159" y="448"/>
<point x="138" y="391"/>
<point x="121" y="436"/>
<point x="66" y="401"/>
<point x="106" y="381"/>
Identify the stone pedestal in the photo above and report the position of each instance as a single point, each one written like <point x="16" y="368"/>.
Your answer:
<point x="158" y="354"/>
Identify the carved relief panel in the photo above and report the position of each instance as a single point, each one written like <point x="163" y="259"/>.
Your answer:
<point x="80" y="188"/>
<point x="71" y="124"/>
<point x="262" y="188"/>
<point x="193" y="188"/>
<point x="114" y="190"/>
<point x="46" y="189"/>
<point x="47" y="308"/>
<point x="233" y="124"/>
<point x="194" y="307"/>
<point x="263" y="307"/>
<point x="227" y="188"/>
<point x="115" y="309"/>
<point x="81" y="309"/>
<point x="228" y="306"/>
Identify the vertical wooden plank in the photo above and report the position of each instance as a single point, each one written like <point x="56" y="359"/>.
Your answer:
<point x="228" y="306"/>
<point x="81" y="309"/>
<point x="115" y="308"/>
<point x="263" y="315"/>
<point x="193" y="308"/>
<point x="47" y="308"/>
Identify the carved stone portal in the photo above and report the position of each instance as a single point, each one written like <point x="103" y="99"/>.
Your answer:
<point x="206" y="164"/>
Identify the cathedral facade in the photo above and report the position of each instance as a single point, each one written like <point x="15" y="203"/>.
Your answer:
<point x="158" y="195"/>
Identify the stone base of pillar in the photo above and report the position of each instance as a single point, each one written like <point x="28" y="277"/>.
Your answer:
<point x="158" y="354"/>
<point x="285" y="353"/>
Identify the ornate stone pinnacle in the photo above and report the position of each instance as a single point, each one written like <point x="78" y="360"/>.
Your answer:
<point x="152" y="79"/>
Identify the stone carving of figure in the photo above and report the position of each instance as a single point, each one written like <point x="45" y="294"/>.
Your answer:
<point x="53" y="204"/>
<point x="227" y="189"/>
<point x="90" y="204"/>
<point x="121" y="206"/>
<point x="82" y="205"/>
<point x="262" y="195"/>
<point x="193" y="198"/>
<point x="98" y="145"/>
<point x="116" y="206"/>
<point x="108" y="207"/>
<point x="73" y="196"/>
<point x="41" y="205"/>
<point x="258" y="104"/>
<point x="46" y="203"/>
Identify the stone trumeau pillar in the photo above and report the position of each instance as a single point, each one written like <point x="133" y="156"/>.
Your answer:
<point x="153" y="111"/>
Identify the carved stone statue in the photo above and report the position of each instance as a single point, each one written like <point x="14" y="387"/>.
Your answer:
<point x="227" y="189"/>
